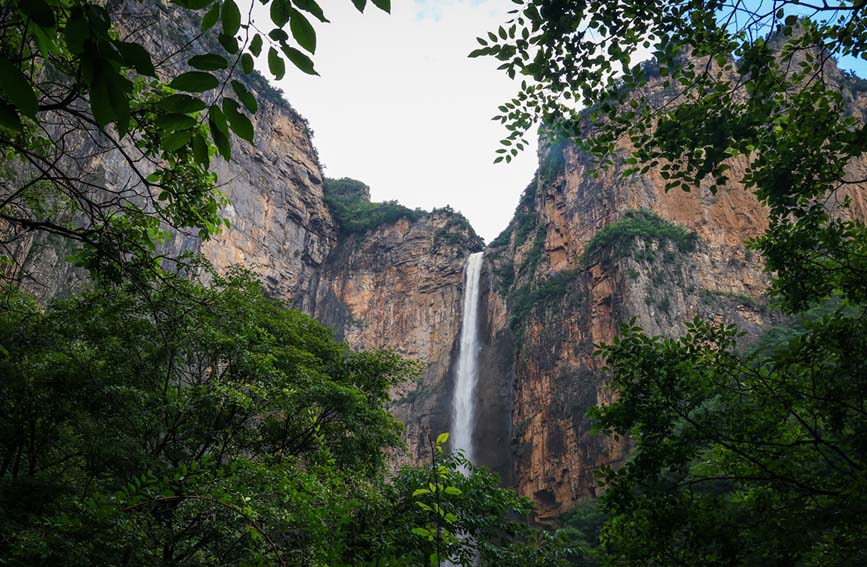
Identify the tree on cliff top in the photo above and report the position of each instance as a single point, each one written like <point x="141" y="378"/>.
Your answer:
<point x="740" y="459"/>
<point x="83" y="79"/>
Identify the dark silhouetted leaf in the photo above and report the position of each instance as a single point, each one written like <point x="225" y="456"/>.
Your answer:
<point x="245" y="96"/>
<point x="239" y="123"/>
<point x="280" y="12"/>
<point x="384" y="5"/>
<point x="276" y="64"/>
<point x="256" y="45"/>
<point x="9" y="116"/>
<point x="299" y="59"/>
<point x="182" y="103"/>
<point x="211" y="16"/>
<point x="137" y="57"/>
<point x="360" y="4"/>
<point x="229" y="43"/>
<point x="39" y="11"/>
<point x="247" y="63"/>
<point x="16" y="87"/>
<point x="175" y="122"/>
<point x="311" y="7"/>
<point x="175" y="140"/>
<point x="194" y="82"/>
<point x="231" y="17"/>
<point x="303" y="31"/>
<point x="200" y="150"/>
<point x="208" y="62"/>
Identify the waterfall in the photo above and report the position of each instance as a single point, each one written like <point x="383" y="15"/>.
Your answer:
<point x="467" y="372"/>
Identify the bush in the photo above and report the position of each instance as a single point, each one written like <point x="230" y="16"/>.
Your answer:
<point x="349" y="202"/>
<point x="523" y="300"/>
<point x="618" y="238"/>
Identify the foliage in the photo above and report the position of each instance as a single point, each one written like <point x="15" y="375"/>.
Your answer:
<point x="525" y="221"/>
<point x="194" y="425"/>
<point x="348" y="200"/>
<point x="740" y="459"/>
<point x="190" y="426"/>
<point x="524" y="300"/>
<point x="458" y="232"/>
<point x="461" y="517"/>
<point x="618" y="238"/>
<point x="87" y="79"/>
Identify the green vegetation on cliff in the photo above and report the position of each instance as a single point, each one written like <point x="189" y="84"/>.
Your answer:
<point x="618" y="238"/>
<point x="349" y="202"/>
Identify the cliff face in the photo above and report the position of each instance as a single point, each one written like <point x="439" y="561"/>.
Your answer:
<point x="399" y="287"/>
<point x="586" y="251"/>
<point x="557" y="282"/>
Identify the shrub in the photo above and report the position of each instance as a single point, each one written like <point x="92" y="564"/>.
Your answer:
<point x="348" y="200"/>
<point x="618" y="238"/>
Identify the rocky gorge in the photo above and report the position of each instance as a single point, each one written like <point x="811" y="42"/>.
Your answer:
<point x="587" y="250"/>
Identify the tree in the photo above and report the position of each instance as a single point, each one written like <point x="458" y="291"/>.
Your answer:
<point x="209" y="425"/>
<point x="741" y="458"/>
<point x="84" y="79"/>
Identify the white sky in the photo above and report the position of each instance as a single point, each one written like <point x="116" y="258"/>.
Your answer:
<point x="400" y="107"/>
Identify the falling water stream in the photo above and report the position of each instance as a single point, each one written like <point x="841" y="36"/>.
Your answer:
<point x="467" y="372"/>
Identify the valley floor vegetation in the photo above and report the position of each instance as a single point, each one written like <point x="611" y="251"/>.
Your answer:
<point x="210" y="425"/>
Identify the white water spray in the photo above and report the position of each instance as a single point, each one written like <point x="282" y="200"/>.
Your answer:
<point x="467" y="372"/>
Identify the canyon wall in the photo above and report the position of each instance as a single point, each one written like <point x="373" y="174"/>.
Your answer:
<point x="551" y="288"/>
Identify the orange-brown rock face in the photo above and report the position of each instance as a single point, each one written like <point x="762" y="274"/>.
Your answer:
<point x="561" y="304"/>
<point x="399" y="287"/>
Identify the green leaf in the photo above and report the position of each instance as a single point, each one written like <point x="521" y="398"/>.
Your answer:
<point x="420" y="492"/>
<point x="200" y="150"/>
<point x="175" y="140"/>
<point x="247" y="63"/>
<point x="278" y="35"/>
<point x="311" y="7"/>
<point x="39" y="11"/>
<point x="208" y="62"/>
<point x="231" y="17"/>
<point x="303" y="31"/>
<point x="182" y="103"/>
<point x="423" y="532"/>
<point x="245" y="96"/>
<point x="194" y="82"/>
<point x="239" y="123"/>
<point x="9" y="116"/>
<point x="211" y="16"/>
<point x="299" y="59"/>
<point x="219" y="132"/>
<point x="174" y="122"/>
<point x="16" y="87"/>
<point x="77" y="33"/>
<point x="360" y="4"/>
<point x="384" y="5"/>
<point x="281" y="10"/>
<point x="256" y="45"/>
<point x="137" y="57"/>
<point x="276" y="64"/>
<point x="229" y="43"/>
<point x="453" y="490"/>
<point x="442" y="438"/>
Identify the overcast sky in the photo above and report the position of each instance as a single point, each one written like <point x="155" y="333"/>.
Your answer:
<point x="399" y="106"/>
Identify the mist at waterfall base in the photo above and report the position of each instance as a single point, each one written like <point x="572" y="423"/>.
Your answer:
<point x="467" y="370"/>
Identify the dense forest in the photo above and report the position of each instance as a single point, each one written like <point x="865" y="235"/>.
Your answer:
<point x="172" y="413"/>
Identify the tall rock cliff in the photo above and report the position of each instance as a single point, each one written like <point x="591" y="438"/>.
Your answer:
<point x="586" y="251"/>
